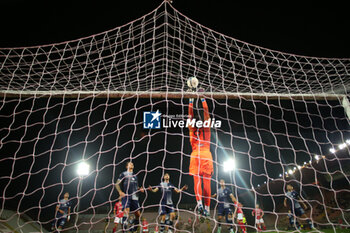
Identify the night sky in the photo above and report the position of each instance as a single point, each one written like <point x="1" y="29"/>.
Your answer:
<point x="310" y="30"/>
<point x="267" y="135"/>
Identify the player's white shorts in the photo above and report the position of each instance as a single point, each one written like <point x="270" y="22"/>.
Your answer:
<point x="118" y="220"/>
<point x="257" y="221"/>
<point x="239" y="216"/>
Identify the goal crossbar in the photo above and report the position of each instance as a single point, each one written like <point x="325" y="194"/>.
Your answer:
<point x="170" y="95"/>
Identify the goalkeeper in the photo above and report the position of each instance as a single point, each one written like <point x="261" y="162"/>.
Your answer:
<point x="201" y="163"/>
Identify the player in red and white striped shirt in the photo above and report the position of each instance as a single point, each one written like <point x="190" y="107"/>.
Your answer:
<point x="239" y="214"/>
<point x="259" y="213"/>
<point x="118" y="213"/>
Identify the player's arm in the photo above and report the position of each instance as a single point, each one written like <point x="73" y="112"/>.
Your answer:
<point x="214" y="195"/>
<point x="253" y="212"/>
<point x="140" y="188"/>
<point x="190" y="109"/>
<point x="154" y="190"/>
<point x="302" y="202"/>
<point x="68" y="215"/>
<point x="205" y="109"/>
<point x="235" y="212"/>
<point x="58" y="209"/>
<point x="285" y="202"/>
<point x="185" y="187"/>
<point x="117" y="186"/>
<point x="234" y="200"/>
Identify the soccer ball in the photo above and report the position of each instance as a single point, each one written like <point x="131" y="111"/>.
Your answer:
<point x="192" y="82"/>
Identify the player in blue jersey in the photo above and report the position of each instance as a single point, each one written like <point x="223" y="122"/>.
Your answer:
<point x="294" y="200"/>
<point x="62" y="213"/>
<point x="225" y="196"/>
<point x="167" y="205"/>
<point x="128" y="188"/>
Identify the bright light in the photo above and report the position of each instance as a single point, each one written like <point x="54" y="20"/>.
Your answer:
<point x="280" y="175"/>
<point x="258" y="185"/>
<point x="299" y="167"/>
<point x="305" y="163"/>
<point x="229" y="165"/>
<point x="290" y="171"/>
<point x="342" y="146"/>
<point x="264" y="182"/>
<point x="83" y="169"/>
<point x="317" y="157"/>
<point x="348" y="141"/>
<point x="332" y="150"/>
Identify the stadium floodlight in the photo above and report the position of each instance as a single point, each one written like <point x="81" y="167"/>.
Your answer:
<point x="332" y="150"/>
<point x="290" y="171"/>
<point x="229" y="165"/>
<point x="342" y="146"/>
<point x="280" y="175"/>
<point x="317" y="157"/>
<point x="83" y="169"/>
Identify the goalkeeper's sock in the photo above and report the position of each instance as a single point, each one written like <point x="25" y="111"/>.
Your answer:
<point x="207" y="192"/>
<point x="197" y="188"/>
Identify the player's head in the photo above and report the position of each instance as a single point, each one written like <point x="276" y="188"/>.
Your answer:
<point x="130" y="166"/>
<point x="289" y="187"/>
<point x="66" y="195"/>
<point x="222" y="182"/>
<point x="166" y="177"/>
<point x="198" y="111"/>
<point x="257" y="206"/>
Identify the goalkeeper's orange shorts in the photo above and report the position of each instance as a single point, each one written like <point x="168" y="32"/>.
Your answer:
<point x="201" y="163"/>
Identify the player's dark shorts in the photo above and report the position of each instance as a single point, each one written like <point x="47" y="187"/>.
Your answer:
<point x="223" y="211"/>
<point x="166" y="209"/>
<point x="298" y="211"/>
<point x="59" y="221"/>
<point x="127" y="202"/>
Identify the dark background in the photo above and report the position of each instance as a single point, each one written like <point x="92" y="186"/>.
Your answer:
<point x="266" y="137"/>
<point x="303" y="29"/>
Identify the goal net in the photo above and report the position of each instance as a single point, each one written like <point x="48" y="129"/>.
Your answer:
<point x="121" y="95"/>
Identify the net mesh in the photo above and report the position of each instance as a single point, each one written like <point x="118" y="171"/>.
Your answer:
<point x="85" y="100"/>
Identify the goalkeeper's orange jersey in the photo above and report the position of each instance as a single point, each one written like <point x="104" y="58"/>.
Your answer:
<point x="199" y="137"/>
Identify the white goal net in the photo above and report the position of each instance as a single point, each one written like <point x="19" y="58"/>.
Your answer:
<point x="282" y="119"/>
